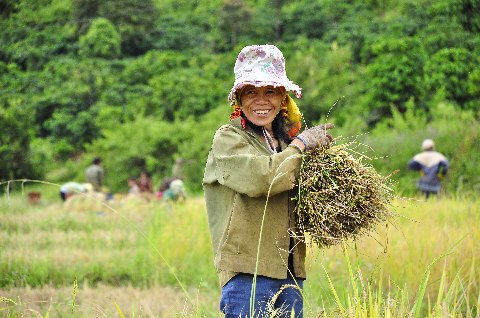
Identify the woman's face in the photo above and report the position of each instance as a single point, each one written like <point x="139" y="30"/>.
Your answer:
<point x="261" y="104"/>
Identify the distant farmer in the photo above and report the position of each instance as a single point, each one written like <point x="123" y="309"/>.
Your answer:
<point x="71" y="188"/>
<point x="177" y="168"/>
<point x="172" y="189"/>
<point x="133" y="188"/>
<point x="95" y="174"/>
<point x="176" y="190"/>
<point x="433" y="166"/>
<point x="145" y="183"/>
<point x="163" y="187"/>
<point x="249" y="181"/>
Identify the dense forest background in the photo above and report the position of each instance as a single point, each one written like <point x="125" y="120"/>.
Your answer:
<point x="142" y="83"/>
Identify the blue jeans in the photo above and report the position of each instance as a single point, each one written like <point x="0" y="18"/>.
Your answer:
<point x="235" y="300"/>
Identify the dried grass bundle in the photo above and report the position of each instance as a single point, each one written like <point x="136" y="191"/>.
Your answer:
<point x="340" y="197"/>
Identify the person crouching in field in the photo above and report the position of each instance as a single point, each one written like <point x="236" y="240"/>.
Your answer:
<point x="133" y="189"/>
<point x="69" y="189"/>
<point x="249" y="182"/>
<point x="172" y="189"/>
<point x="432" y="165"/>
<point x="145" y="183"/>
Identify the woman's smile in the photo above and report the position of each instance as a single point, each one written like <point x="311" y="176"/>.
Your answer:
<point x="261" y="104"/>
<point x="261" y="112"/>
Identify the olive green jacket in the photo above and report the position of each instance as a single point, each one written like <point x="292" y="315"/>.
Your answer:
<point x="242" y="179"/>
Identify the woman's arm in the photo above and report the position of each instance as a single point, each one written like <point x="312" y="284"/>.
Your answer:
<point x="243" y="168"/>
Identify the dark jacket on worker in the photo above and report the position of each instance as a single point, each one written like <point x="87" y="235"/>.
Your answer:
<point x="432" y="166"/>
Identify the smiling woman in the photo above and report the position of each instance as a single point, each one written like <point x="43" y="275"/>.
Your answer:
<point x="249" y="184"/>
<point x="261" y="104"/>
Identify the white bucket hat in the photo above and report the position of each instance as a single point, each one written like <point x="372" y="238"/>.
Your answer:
<point x="427" y="144"/>
<point x="261" y="65"/>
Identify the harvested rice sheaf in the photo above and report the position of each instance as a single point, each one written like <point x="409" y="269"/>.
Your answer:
<point x="340" y="196"/>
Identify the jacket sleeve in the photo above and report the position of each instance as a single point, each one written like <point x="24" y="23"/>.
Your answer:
<point x="443" y="167"/>
<point x="414" y="165"/>
<point x="243" y="168"/>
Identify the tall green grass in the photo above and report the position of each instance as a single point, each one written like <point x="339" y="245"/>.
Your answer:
<point x="430" y="249"/>
<point x="424" y="264"/>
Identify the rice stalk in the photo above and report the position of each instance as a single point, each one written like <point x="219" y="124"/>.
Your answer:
<point x="341" y="196"/>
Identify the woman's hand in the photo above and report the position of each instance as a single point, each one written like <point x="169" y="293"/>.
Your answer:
<point x="314" y="137"/>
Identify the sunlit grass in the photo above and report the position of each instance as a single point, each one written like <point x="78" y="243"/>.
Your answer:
<point x="135" y="247"/>
<point x="443" y="232"/>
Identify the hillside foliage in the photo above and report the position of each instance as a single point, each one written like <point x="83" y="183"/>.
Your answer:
<point x="142" y="83"/>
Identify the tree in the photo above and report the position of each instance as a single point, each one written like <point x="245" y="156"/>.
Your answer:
<point x="15" y="131"/>
<point x="83" y="12"/>
<point x="353" y="30"/>
<point x="268" y="20"/>
<point x="442" y="32"/>
<point x="451" y="70"/>
<point x="173" y="101"/>
<point x="235" y="17"/>
<point x="468" y="13"/>
<point x="326" y="76"/>
<point x="395" y="75"/>
<point x="63" y="100"/>
<point x="71" y="131"/>
<point x="186" y="24"/>
<point x="6" y="8"/>
<point x="34" y="32"/>
<point x="134" y="20"/>
<point x="304" y="18"/>
<point x="101" y="40"/>
<point x="146" y="143"/>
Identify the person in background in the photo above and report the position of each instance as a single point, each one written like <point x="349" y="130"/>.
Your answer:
<point x="133" y="187"/>
<point x="250" y="176"/>
<point x="163" y="187"/>
<point x="145" y="183"/>
<point x="69" y="189"/>
<point x="177" y="169"/>
<point x="95" y="174"/>
<point x="433" y="166"/>
<point x="172" y="189"/>
<point x="176" y="191"/>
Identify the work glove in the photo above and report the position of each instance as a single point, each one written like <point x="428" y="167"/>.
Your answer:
<point x="316" y="136"/>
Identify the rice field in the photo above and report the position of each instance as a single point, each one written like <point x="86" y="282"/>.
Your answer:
<point x="138" y="258"/>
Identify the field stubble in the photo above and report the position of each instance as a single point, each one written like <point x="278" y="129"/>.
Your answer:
<point x="154" y="260"/>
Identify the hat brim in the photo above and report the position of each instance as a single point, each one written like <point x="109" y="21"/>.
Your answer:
<point x="289" y="87"/>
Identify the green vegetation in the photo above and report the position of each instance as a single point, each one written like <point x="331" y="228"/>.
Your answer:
<point x="70" y="260"/>
<point x="142" y="83"/>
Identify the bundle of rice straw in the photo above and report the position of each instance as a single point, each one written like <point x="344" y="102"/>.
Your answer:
<point x="340" y="197"/>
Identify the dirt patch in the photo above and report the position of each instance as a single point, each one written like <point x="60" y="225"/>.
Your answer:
<point x="102" y="301"/>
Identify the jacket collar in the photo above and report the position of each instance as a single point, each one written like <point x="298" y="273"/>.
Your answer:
<point x="237" y="123"/>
